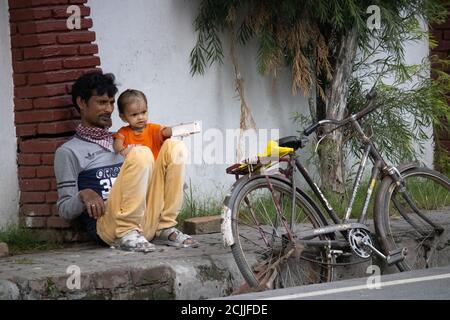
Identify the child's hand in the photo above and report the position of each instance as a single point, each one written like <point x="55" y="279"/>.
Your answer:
<point x="167" y="132"/>
<point x="125" y="152"/>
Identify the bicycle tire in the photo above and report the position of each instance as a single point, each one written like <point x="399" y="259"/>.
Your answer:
<point x="430" y="193"/>
<point x="241" y="251"/>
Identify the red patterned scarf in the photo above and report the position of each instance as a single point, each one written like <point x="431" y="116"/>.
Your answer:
<point x="100" y="136"/>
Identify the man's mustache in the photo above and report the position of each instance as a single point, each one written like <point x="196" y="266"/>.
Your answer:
<point x="106" y="117"/>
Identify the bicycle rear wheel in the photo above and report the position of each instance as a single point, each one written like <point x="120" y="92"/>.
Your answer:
<point x="263" y="250"/>
<point x="417" y="217"/>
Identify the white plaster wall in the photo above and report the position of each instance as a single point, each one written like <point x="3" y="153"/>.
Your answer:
<point x="146" y="44"/>
<point x="9" y="186"/>
<point x="415" y="52"/>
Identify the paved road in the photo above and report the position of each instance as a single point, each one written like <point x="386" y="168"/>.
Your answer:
<point x="430" y="284"/>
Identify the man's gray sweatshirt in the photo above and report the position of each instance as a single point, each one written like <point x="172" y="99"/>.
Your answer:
<point x="81" y="165"/>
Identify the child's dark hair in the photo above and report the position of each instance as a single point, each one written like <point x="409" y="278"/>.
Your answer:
<point x="129" y="96"/>
<point x="93" y="83"/>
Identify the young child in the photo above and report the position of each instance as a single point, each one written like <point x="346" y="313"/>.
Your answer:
<point x="133" y="110"/>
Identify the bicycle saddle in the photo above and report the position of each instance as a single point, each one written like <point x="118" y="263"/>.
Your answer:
<point x="291" y="142"/>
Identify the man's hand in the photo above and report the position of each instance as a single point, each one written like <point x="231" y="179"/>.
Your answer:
<point x="95" y="205"/>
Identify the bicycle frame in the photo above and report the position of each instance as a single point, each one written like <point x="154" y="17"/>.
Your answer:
<point x="379" y="171"/>
<point x="379" y="167"/>
<point x="370" y="152"/>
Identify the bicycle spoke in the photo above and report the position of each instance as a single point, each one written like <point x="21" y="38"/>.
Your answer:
<point x="262" y="230"/>
<point x="275" y="233"/>
<point x="255" y="220"/>
<point x="266" y="249"/>
<point x="256" y="244"/>
<point x="297" y="273"/>
<point x="266" y="214"/>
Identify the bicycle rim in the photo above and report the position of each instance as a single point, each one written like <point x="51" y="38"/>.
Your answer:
<point x="418" y="218"/>
<point x="265" y="255"/>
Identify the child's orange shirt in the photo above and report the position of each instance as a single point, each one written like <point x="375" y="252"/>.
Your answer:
<point x="151" y="137"/>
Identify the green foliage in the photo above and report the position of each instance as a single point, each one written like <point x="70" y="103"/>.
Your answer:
<point x="277" y="25"/>
<point x="426" y="194"/>
<point x="23" y="240"/>
<point x="340" y="202"/>
<point x="406" y="110"/>
<point x="209" y="23"/>
<point x="442" y="154"/>
<point x="195" y="205"/>
<point x="305" y="36"/>
<point x="442" y="161"/>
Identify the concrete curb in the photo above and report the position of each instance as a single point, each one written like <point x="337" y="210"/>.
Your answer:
<point x="208" y="271"/>
<point x="8" y="290"/>
<point x="169" y="273"/>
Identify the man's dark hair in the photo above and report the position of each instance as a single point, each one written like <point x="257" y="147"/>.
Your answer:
<point x="93" y="83"/>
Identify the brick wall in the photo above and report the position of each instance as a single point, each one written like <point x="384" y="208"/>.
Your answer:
<point x="47" y="58"/>
<point x="442" y="35"/>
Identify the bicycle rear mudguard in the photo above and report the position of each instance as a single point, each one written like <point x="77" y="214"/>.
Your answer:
<point x="226" y="228"/>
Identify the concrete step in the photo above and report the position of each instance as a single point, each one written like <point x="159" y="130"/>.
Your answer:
<point x="208" y="271"/>
<point x="168" y="273"/>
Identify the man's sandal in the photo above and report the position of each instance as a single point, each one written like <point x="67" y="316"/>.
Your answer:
<point x="135" y="242"/>
<point x="179" y="241"/>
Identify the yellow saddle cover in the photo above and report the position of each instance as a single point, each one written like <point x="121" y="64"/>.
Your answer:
<point x="272" y="150"/>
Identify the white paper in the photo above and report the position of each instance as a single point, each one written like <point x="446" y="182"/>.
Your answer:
<point x="186" y="129"/>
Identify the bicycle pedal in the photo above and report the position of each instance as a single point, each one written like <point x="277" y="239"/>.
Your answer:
<point x="396" y="256"/>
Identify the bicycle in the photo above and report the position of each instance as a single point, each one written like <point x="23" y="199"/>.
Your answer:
<point x="280" y="237"/>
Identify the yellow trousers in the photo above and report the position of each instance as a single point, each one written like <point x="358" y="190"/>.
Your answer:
<point x="147" y="195"/>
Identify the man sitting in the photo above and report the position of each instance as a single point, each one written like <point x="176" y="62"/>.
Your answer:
<point x="122" y="202"/>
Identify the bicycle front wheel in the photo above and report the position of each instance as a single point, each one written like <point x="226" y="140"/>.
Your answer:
<point x="416" y="216"/>
<point x="263" y="215"/>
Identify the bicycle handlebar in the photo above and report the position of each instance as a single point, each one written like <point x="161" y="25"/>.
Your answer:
<point x="368" y="109"/>
<point x="312" y="128"/>
<point x="371" y="106"/>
